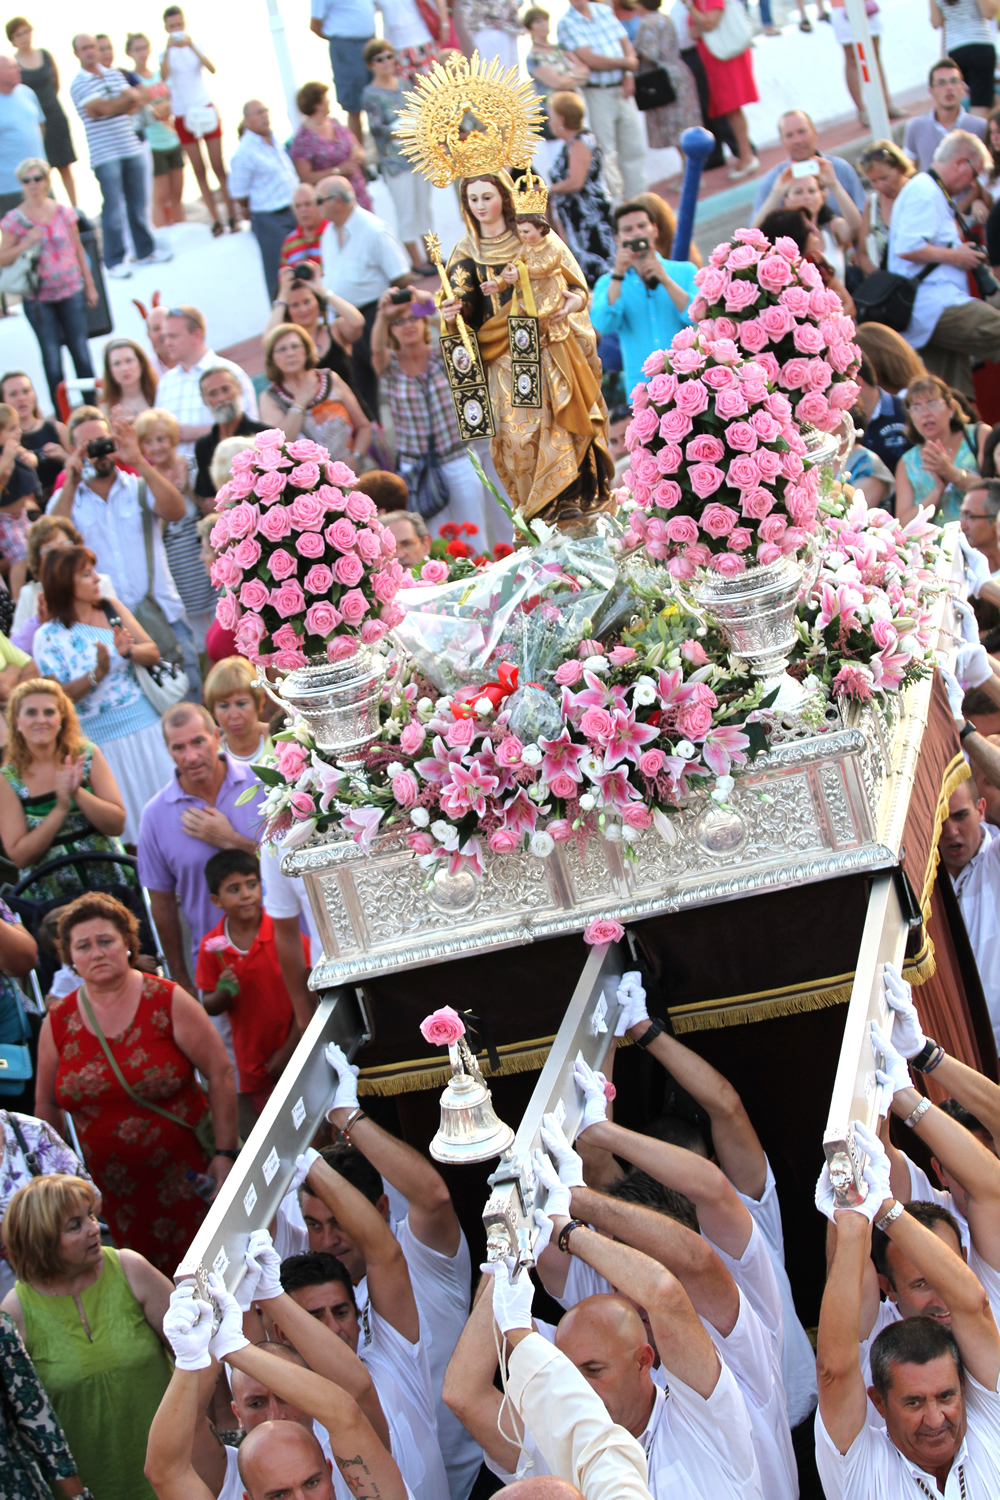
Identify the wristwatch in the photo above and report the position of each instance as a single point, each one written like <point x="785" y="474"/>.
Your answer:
<point x="967" y="729"/>
<point x="230" y="1152"/>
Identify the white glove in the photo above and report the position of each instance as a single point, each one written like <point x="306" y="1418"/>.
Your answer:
<point x="591" y="1086"/>
<point x="303" y="1166"/>
<point x="545" y="1228"/>
<point x="346" y="1096"/>
<point x="512" y="1300"/>
<point x="187" y="1327"/>
<point x="955" y="691"/>
<point x="230" y="1336"/>
<point x="557" y="1202"/>
<point x="878" y="1169"/>
<point x="977" y="568"/>
<point x="264" y="1264"/>
<point x="907" y="1036"/>
<point x="894" y="1075"/>
<point x="569" y="1163"/>
<point x="972" y="666"/>
<point x="824" y="1198"/>
<point x="632" y="999"/>
<point x="967" y="622"/>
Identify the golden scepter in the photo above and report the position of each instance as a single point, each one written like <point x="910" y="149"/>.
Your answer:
<point x="433" y="245"/>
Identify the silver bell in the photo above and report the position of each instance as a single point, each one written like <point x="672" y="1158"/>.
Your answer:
<point x="470" y="1130"/>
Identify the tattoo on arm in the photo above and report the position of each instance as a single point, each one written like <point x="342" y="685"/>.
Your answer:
<point x="361" y="1483"/>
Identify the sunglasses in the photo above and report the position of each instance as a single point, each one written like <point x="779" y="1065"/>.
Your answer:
<point x="385" y="57"/>
<point x="36" y="177"/>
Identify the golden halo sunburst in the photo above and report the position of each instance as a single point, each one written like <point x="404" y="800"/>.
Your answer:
<point x="506" y="109"/>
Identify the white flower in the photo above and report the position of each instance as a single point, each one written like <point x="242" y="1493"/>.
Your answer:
<point x="420" y="817"/>
<point x="596" y="663"/>
<point x="446" y="834"/>
<point x="590" y="764"/>
<point x="613" y="833"/>
<point x="302" y="733"/>
<point x="424" y="707"/>
<point x="427" y="861"/>
<point x="541" y="844"/>
<point x="685" y="750"/>
<point x="724" y="784"/>
<point x="539" y="791"/>
<point x="442" y="705"/>
<point x="664" y="826"/>
<point x="394" y="767"/>
<point x="644" y="690"/>
<point x="531" y="755"/>
<point x="628" y="834"/>
<point x="587" y="801"/>
<point x="484" y="706"/>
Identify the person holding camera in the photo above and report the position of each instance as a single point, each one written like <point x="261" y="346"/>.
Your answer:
<point x="929" y="240"/>
<point x="645" y="299"/>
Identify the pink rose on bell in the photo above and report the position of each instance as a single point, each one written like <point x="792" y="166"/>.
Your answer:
<point x="292" y="759"/>
<point x="319" y="579"/>
<point x="353" y="606"/>
<point x="246" y="554"/>
<point x="443" y="1027"/>
<point x="321" y="618"/>
<point x="274" y="524"/>
<point x="348" y="570"/>
<point x="372" y="631"/>
<point x="728" y="564"/>
<point x="254" y="594"/>
<point x="705" y="479"/>
<point x="268" y="487"/>
<point x="599" y="932"/>
<point x="718" y="520"/>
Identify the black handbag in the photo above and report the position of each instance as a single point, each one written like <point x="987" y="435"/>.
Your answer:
<point x="653" y="89"/>
<point x="427" y="485"/>
<point x="884" y="297"/>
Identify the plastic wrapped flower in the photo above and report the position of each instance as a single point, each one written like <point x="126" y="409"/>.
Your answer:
<point x="443" y="1027"/>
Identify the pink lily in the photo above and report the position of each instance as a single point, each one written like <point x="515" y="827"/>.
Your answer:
<point x="466" y="791"/>
<point x="614" y="788"/>
<point x="470" y="854"/>
<point x="628" y="739"/>
<point x="363" y="822"/>
<point x="889" y="668"/>
<point x="329" y="781"/>
<point x="841" y="601"/>
<point x="486" y="759"/>
<point x="673" y="689"/>
<point x="723" y="747"/>
<point x="520" y="814"/>
<point x="597" y="695"/>
<point x="437" y="767"/>
<point x="561" y="757"/>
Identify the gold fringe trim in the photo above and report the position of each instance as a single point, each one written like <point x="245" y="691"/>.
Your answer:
<point x="923" y="965"/>
<point x="429" y="1073"/>
<point x="956" y="771"/>
<point x="712" y="1015"/>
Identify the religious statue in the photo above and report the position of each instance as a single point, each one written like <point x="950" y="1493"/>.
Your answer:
<point x="517" y="286"/>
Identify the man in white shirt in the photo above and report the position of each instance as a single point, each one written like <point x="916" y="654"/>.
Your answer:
<point x="970" y="852"/>
<point x="596" y="38"/>
<point x="262" y="178"/>
<point x="179" y="390"/>
<point x="287" y="904"/>
<point x="430" y="1237"/>
<point x="935" y="1387"/>
<point x="361" y="258"/>
<point x="948" y="326"/>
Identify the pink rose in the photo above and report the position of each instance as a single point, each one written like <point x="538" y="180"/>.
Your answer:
<point x="282" y="564"/>
<point x="813" y="408"/>
<point x="369" y="546"/>
<point x="503" y="841"/>
<point x="560" y="829"/>
<point x="433" y="571"/>
<point x="227" y="612"/>
<point x="796" y="299"/>
<point x="286" y="638"/>
<point x="224" y="572"/>
<point x="728" y="564"/>
<point x="254" y="594"/>
<point x="461" y="733"/>
<point x="569" y="672"/>
<point x="319" y="579"/>
<point x="741" y="436"/>
<point x="820" y="375"/>
<point x="302" y="805"/>
<point x="755" y="237"/>
<point x="620" y="656"/>
<point x="842" y="357"/>
<point x="442" y="1028"/>
<point x="769" y="365"/>
<point x="739" y="539"/>
<point x="391" y="615"/>
<point x="420" y="841"/>
<point x="698" y="554"/>
<point x="668" y="459"/>
<point x="642" y="426"/>
<point x="563" y="786"/>
<point x="339" y="474"/>
<point x="510" y="748"/>
<point x="742" y="258"/>
<point x="703" y="450"/>
<point x="372" y="631"/>
<point x="808" y="339"/>
<point x="246" y="554"/>
<point x="773" y="529"/>
<point x="776" y="322"/>
<point x="661" y="389"/>
<point x="694" y="719"/>
<point x="686" y="361"/>
<point x="753" y="336"/>
<point x="348" y="570"/>
<point x="599" y="932"/>
<point x="310" y="544"/>
<point x="653" y="364"/>
<point x="288" y="661"/>
<point x="705" y="479"/>
<point x="292" y="759"/>
<point x="243" y="520"/>
<point x="361" y="507"/>
<point x="765" y="426"/>
<point x="691" y="398"/>
<point x="718" y="520"/>
<point x="637" y="815"/>
<point x="767" y="552"/>
<point x="307" y="513"/>
<point x="405" y="788"/>
<point x="219" y="534"/>
<point x="412" y="737"/>
<point x="681" y="567"/>
<point x="250" y="631"/>
<point x="842" y="395"/>
<point x="769" y="464"/>
<point x="674" y="425"/>
<point x="682" y="530"/>
<point x="791" y="465"/>
<point x="756" y="504"/>
<point x="787" y="247"/>
<point x="268" y="487"/>
<point x="645" y="470"/>
<point x="275" y="525"/>
<point x="387" y="542"/>
<point x="321" y="618"/>
<point x="712" y="283"/>
<point x="305" y="476"/>
<point x="341" y="647"/>
<point x="794" y="373"/>
<point x="743" y="472"/>
<point x="304" y="450"/>
<point x="694" y="652"/>
<point x="741" y="294"/>
<point x="667" y="494"/>
<point x="651" y="761"/>
<point x="779" y="406"/>
<point x="720" y="378"/>
<point x="288" y="600"/>
<point x="353" y="606"/>
<point x="333" y="500"/>
<point x="774" y="273"/>
<point x="731" y="403"/>
<point x="385" y="586"/>
<point x="597" y="724"/>
<point x="238" y="487"/>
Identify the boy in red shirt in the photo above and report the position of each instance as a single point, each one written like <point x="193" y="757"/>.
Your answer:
<point x="238" y="972"/>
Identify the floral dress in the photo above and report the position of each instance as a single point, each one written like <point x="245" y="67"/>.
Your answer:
<point x="329" y="155"/>
<point x="76" y="836"/>
<point x="657" y="47"/>
<point x="325" y="420"/>
<point x="33" y="1449"/>
<point x="586" y="214"/>
<point x="58" y="270"/>
<point x="137" y="1159"/>
<point x="117" y="706"/>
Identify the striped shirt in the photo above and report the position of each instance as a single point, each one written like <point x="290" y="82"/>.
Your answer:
<point x="300" y="246"/>
<point x="422" y="409"/>
<point x="603" y="34"/>
<point x="179" y="391"/>
<point x="183" y="548"/>
<point x="260" y="170"/>
<point x="114" y="137"/>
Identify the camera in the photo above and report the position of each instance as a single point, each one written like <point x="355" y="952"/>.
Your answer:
<point x="100" y="447"/>
<point x="638" y="247"/>
<point x="401" y="294"/>
<point x="302" y="273"/>
<point x="986" y="282"/>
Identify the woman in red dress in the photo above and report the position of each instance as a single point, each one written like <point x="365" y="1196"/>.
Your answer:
<point x="730" y="82"/>
<point x="158" y="1035"/>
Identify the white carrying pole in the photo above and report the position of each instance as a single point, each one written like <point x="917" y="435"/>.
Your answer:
<point x="276" y="21"/>
<point x="868" y="71"/>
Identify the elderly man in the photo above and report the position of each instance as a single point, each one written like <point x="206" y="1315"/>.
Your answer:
<point x="593" y="34"/>
<point x="413" y="542"/>
<point x="262" y="178"/>
<point x="220" y="392"/>
<point x="197" y="812"/>
<point x="948" y="326"/>
<point x="179" y="391"/>
<point x="934" y="1386"/>
<point x="155" y="324"/>
<point x="304" y="241"/>
<point x="797" y="134"/>
<point x="105" y="101"/>
<point x="978" y="520"/>
<point x="925" y="133"/>
<point x="970" y="852"/>
<point x="361" y="257"/>
<point x="22" y="124"/>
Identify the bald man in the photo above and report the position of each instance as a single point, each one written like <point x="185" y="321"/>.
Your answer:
<point x="262" y="178"/>
<point x="797" y="134"/>
<point x="284" y="1456"/>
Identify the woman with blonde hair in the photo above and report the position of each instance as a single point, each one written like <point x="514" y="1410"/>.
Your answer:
<point x="237" y="706"/>
<point x="888" y="170"/>
<point x="57" y="794"/>
<point x="305" y="401"/>
<point x="158" y="433"/>
<point x="943" y="464"/>
<point x="895" y="362"/>
<point x="129" y="380"/>
<point x="91" y="1319"/>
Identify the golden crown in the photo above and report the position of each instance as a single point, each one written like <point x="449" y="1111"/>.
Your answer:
<point x="468" y="116"/>
<point x="531" y="196"/>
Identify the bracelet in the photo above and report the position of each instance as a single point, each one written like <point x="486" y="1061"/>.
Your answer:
<point x="566" y="1231"/>
<point x="358" y="1114"/>
<point x="616" y="277"/>
<point x="938" y="1057"/>
<point x="92" y="674"/>
<point x="299" y="409"/>
<point x="230" y="1152"/>
<point x="653" y="1030"/>
<point x="924" y="1056"/>
<point x="890" y="1217"/>
<point x="967" y="729"/>
<point x="913" y="1119"/>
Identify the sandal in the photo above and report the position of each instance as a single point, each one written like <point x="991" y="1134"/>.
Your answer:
<point x="805" y="26"/>
<point x="217" y="229"/>
<point x="234" y="226"/>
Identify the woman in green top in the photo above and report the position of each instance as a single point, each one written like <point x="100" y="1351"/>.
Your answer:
<point x="33" y="1451"/>
<point x="57" y="794"/>
<point x="944" y="462"/>
<point x="91" y="1319"/>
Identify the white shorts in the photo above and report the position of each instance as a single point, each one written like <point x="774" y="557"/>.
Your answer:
<point x="411" y="195"/>
<point x="842" y="26"/>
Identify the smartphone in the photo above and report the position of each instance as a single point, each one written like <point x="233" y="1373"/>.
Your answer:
<point x="805" y="168"/>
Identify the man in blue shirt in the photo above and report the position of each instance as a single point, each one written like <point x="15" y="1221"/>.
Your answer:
<point x="21" y="126"/>
<point x="347" y="25"/>
<point x="645" y="298"/>
<point x="797" y="134"/>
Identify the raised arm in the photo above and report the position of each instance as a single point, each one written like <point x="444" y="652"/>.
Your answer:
<point x="469" y="1390"/>
<point x="431" y="1213"/>
<point x="184" y="1459"/>
<point x="168" y="502"/>
<point x="388" y="1278"/>
<point x="843" y="1400"/>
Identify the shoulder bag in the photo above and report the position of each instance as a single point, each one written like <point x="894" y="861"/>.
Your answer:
<point x="21" y="278"/>
<point x="148" y="611"/>
<point x="884" y="297"/>
<point x="163" y="684"/>
<point x="732" y="36"/>
<point x="204" y="1130"/>
<point x="653" y="89"/>
<point x="32" y="1160"/>
<point x="201" y="120"/>
<point x="427" y="485"/>
<point x="15" y="1058"/>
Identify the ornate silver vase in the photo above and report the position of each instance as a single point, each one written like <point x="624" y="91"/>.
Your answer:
<point x="339" y="701"/>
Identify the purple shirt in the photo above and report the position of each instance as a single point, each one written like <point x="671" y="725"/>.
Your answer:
<point x="172" y="860"/>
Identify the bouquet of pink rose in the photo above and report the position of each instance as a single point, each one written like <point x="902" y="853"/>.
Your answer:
<point x="718" y="470"/>
<point x="772" y="301"/>
<point x="306" y="568"/>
